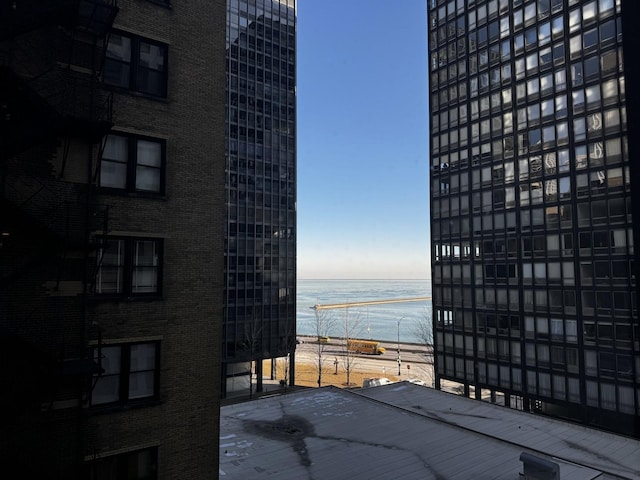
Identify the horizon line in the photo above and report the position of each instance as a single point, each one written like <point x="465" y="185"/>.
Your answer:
<point x="364" y="279"/>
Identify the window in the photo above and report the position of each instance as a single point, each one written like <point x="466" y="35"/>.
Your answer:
<point x="592" y="68"/>
<point x="130" y="372"/>
<point x="590" y="38"/>
<point x="544" y="33"/>
<point x="574" y="20"/>
<point x="129" y="267"/>
<point x="558" y="53"/>
<point x="133" y="163"/>
<point x="557" y="26"/>
<point x="137" y="465"/>
<point x="607" y="32"/>
<point x="530" y="36"/>
<point x="137" y="64"/>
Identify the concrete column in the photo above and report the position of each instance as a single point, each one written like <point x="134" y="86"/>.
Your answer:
<point x="259" y="373"/>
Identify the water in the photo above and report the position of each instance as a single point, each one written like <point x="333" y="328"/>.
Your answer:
<point x="378" y="322"/>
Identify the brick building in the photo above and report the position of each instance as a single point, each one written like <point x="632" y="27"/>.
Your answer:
<point x="111" y="255"/>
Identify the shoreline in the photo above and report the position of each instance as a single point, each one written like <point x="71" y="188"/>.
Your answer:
<point x="405" y="347"/>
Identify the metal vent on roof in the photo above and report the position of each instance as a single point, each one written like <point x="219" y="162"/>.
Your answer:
<point x="538" y="468"/>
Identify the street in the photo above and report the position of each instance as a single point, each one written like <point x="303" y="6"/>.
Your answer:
<point x="415" y="360"/>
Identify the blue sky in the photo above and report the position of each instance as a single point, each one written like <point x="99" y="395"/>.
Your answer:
<point x="363" y="198"/>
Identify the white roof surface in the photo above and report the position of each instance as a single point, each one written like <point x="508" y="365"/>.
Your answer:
<point x="616" y="455"/>
<point x="330" y="433"/>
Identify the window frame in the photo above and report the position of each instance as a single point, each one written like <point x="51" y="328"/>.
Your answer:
<point x="124" y="374"/>
<point x="132" y="164"/>
<point x="134" y="64"/>
<point x="126" y="268"/>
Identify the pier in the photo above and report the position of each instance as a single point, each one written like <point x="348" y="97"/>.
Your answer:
<point x="369" y="302"/>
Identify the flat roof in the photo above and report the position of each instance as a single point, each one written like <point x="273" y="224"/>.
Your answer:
<point x="613" y="454"/>
<point x="372" y="433"/>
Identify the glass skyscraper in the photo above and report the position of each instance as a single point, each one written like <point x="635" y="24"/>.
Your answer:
<point x="260" y="233"/>
<point x="533" y="260"/>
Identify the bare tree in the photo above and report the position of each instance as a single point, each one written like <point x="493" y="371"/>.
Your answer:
<point x="323" y="325"/>
<point x="288" y="341"/>
<point x="252" y="344"/>
<point x="423" y="330"/>
<point x="352" y="328"/>
<point x="286" y="362"/>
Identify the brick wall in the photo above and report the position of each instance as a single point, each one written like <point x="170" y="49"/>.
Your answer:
<point x="47" y="309"/>
<point x="189" y="217"/>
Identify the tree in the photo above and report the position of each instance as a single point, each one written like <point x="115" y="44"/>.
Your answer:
<point x="286" y="361"/>
<point x="323" y="325"/>
<point x="252" y="344"/>
<point x="423" y="330"/>
<point x="288" y="342"/>
<point x="352" y="328"/>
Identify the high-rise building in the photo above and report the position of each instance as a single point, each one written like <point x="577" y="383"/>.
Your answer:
<point x="534" y="272"/>
<point x="260" y="228"/>
<point x="111" y="254"/>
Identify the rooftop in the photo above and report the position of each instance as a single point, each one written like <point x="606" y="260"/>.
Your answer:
<point x="407" y="431"/>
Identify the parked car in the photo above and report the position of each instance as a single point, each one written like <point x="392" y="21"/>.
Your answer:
<point x="417" y="381"/>
<point x="375" y="382"/>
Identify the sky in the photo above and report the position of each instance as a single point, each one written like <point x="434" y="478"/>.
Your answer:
<point x="363" y="185"/>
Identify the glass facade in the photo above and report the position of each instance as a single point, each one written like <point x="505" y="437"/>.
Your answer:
<point x="260" y="233"/>
<point x="532" y="244"/>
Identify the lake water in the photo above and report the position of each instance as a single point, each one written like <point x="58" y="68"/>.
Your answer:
<point x="378" y="322"/>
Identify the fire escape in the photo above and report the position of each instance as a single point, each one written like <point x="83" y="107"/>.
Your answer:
<point x="54" y="115"/>
<point x="51" y="55"/>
